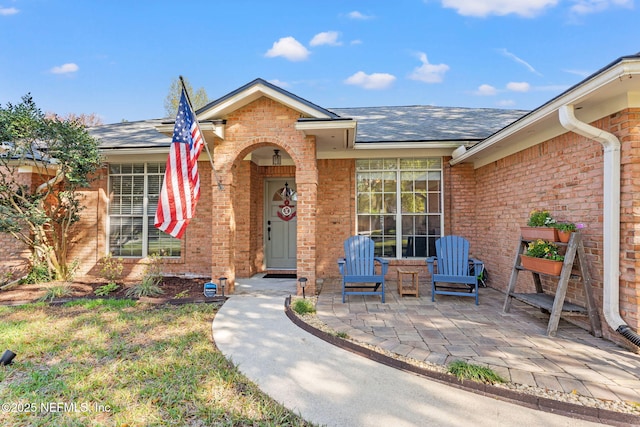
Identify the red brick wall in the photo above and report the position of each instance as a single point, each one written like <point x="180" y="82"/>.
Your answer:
<point x="460" y="201"/>
<point x="335" y="212"/>
<point x="565" y="176"/>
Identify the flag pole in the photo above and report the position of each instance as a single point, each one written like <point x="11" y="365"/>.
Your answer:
<point x="206" y="145"/>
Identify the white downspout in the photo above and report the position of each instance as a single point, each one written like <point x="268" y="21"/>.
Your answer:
<point x="610" y="217"/>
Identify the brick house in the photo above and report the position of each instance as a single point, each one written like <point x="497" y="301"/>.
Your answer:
<point x="404" y="175"/>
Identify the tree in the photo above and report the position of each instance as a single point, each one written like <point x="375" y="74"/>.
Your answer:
<point x="87" y="120"/>
<point x="198" y="99"/>
<point x="62" y="157"/>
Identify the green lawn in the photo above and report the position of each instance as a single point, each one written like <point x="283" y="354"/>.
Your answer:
<point x="117" y="363"/>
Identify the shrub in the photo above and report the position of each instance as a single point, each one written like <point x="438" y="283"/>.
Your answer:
<point x="303" y="306"/>
<point x="39" y="273"/>
<point x="111" y="268"/>
<point x="56" y="291"/>
<point x="106" y="289"/>
<point x="150" y="284"/>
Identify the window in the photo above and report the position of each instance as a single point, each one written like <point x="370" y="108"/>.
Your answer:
<point x="134" y="190"/>
<point x="399" y="205"/>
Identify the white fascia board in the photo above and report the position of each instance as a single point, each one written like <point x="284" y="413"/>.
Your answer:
<point x="409" y="146"/>
<point x="309" y="126"/>
<point x="167" y="128"/>
<point x="135" y="155"/>
<point x="382" y="154"/>
<point x="251" y="94"/>
<point x="624" y="69"/>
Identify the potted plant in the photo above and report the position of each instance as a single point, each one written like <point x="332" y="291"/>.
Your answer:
<point x="564" y="230"/>
<point x="540" y="226"/>
<point x="542" y="257"/>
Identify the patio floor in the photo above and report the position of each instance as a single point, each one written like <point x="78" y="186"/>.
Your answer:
<point x="513" y="344"/>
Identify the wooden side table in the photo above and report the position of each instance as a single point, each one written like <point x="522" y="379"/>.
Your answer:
<point x="404" y="289"/>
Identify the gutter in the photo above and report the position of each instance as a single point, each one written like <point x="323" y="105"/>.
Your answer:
<point x="610" y="220"/>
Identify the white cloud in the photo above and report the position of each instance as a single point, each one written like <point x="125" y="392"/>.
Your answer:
<point x="288" y="48"/>
<point x="583" y="7"/>
<point x="579" y="73"/>
<point x="506" y="103"/>
<point x="482" y="8"/>
<point x="356" y="42"/>
<point x="518" y="86"/>
<point x="279" y="83"/>
<point x="65" y="68"/>
<point x="6" y="11"/>
<point x="371" y="81"/>
<point x="486" y="90"/>
<point x="510" y="55"/>
<point x="429" y="73"/>
<point x="359" y="16"/>
<point x="328" y="37"/>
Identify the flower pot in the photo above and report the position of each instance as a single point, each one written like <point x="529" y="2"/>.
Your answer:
<point x="545" y="233"/>
<point x="564" y="236"/>
<point x="541" y="265"/>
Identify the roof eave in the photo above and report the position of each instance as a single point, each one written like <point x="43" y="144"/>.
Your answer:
<point x="625" y="67"/>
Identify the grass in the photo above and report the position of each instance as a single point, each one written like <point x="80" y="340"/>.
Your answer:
<point x="114" y="362"/>
<point x="467" y="371"/>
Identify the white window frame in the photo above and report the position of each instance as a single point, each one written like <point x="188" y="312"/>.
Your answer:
<point x="145" y="204"/>
<point x="398" y="211"/>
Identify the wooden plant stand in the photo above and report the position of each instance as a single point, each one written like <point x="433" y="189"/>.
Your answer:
<point x="555" y="304"/>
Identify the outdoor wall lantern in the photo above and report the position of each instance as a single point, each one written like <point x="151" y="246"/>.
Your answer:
<point x="223" y="283"/>
<point x="303" y="283"/>
<point x="277" y="159"/>
<point x="7" y="357"/>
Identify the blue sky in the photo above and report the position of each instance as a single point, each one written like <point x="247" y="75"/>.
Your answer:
<point x="117" y="59"/>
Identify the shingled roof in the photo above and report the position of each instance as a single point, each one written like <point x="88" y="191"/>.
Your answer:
<point x="427" y="123"/>
<point x="375" y="124"/>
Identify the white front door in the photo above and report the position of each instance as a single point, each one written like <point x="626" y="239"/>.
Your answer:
<point x="281" y="224"/>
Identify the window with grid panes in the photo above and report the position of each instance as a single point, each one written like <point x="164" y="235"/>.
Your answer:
<point x="134" y="190"/>
<point x="399" y="205"/>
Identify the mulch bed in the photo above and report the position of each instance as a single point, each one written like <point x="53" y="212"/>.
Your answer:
<point x="176" y="289"/>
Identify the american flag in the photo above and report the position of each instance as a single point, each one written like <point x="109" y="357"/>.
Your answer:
<point x="181" y="186"/>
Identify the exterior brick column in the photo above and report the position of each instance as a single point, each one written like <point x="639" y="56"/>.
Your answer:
<point x="307" y="188"/>
<point x="222" y="230"/>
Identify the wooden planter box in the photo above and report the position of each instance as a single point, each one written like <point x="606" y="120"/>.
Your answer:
<point x="541" y="265"/>
<point x="549" y="234"/>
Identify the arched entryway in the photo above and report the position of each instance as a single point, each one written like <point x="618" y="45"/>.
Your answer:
<point x="252" y="196"/>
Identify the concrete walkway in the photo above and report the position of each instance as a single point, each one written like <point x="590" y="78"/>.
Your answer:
<point x="334" y="387"/>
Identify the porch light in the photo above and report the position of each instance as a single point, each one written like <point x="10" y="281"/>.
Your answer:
<point x="303" y="283"/>
<point x="286" y="191"/>
<point x="223" y="283"/>
<point x="277" y="159"/>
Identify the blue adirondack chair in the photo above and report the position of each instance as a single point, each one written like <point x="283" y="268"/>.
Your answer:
<point x="453" y="267"/>
<point x="358" y="268"/>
